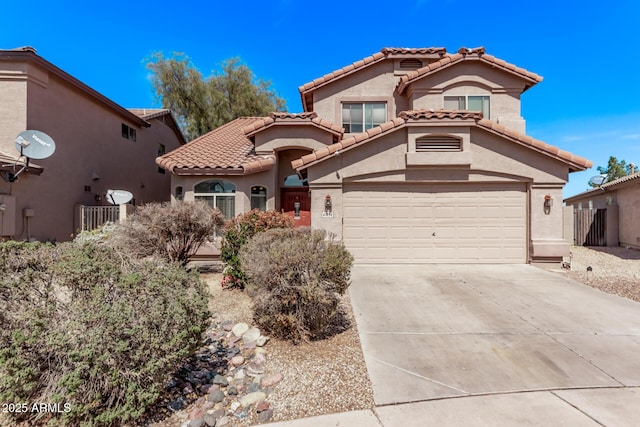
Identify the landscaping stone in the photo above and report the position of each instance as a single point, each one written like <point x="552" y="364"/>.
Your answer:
<point x="265" y="416"/>
<point x="209" y="420"/>
<point x="271" y="380"/>
<point x="196" y="423"/>
<point x="252" y="398"/>
<point x="239" y="329"/>
<point x="251" y="335"/>
<point x="261" y="341"/>
<point x="220" y="380"/>
<point x="222" y="422"/>
<point x="262" y="406"/>
<point x="216" y="396"/>
<point x="237" y="360"/>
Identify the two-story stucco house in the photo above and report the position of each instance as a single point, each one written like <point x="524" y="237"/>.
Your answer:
<point x="99" y="146"/>
<point x="408" y="156"/>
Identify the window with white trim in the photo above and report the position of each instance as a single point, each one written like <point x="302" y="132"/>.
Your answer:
<point x="360" y="116"/>
<point x="217" y="194"/>
<point x="258" y="198"/>
<point x="470" y="103"/>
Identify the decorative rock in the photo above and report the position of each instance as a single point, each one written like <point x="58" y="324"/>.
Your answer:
<point x="265" y="416"/>
<point x="260" y="359"/>
<point x="249" y="345"/>
<point x="232" y="390"/>
<point x="196" y="423"/>
<point x="239" y="374"/>
<point x="220" y="380"/>
<point x="252" y="398"/>
<point x="239" y="329"/>
<point x="207" y="405"/>
<point x="209" y="420"/>
<point x="237" y="360"/>
<point x="216" y="396"/>
<point x="222" y="422"/>
<point x="253" y="387"/>
<point x="271" y="380"/>
<point x="251" y="335"/>
<point x="262" y="406"/>
<point x="196" y="414"/>
<point x="261" y="341"/>
<point x="177" y="404"/>
<point x="218" y="413"/>
<point x="227" y="326"/>
<point x="234" y="406"/>
<point x="260" y="350"/>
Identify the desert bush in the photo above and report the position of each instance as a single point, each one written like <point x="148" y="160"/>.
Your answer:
<point x="93" y="331"/>
<point x="173" y="232"/>
<point x="295" y="278"/>
<point x="237" y="233"/>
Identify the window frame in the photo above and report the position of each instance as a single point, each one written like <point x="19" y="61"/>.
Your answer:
<point x="486" y="115"/>
<point x="214" y="196"/>
<point x="258" y="196"/>
<point x="365" y="126"/>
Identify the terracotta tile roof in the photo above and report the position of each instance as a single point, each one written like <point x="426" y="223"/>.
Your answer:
<point x="576" y="163"/>
<point x="149" y="113"/>
<point x="362" y="63"/>
<point x="465" y="54"/>
<point x="225" y="150"/>
<point x="293" y="118"/>
<point x="605" y="186"/>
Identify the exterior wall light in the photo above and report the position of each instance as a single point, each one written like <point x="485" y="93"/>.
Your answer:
<point x="548" y="202"/>
<point x="328" y="207"/>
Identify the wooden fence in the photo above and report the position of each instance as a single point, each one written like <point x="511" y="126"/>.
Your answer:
<point x="590" y="227"/>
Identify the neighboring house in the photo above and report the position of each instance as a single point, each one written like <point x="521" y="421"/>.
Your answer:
<point x="408" y="156"/>
<point x="621" y="199"/>
<point x="99" y="146"/>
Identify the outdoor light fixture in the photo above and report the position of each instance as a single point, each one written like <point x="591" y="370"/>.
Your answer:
<point x="328" y="207"/>
<point x="548" y="202"/>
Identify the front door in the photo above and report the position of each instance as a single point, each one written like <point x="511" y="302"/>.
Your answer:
<point x="296" y="203"/>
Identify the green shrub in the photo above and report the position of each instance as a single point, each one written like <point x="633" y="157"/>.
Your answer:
<point x="173" y="232"/>
<point x="237" y="233"/>
<point x="85" y="327"/>
<point x="295" y="278"/>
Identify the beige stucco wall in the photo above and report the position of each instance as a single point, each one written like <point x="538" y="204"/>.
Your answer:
<point x="88" y="140"/>
<point x="493" y="159"/>
<point x="280" y="137"/>
<point x="375" y="83"/>
<point x="473" y="78"/>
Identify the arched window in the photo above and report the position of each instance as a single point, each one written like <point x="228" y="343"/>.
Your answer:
<point x="295" y="181"/>
<point x="219" y="194"/>
<point x="258" y="198"/>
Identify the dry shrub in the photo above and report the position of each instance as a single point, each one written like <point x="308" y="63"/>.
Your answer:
<point x="237" y="233"/>
<point x="295" y="278"/>
<point x="93" y="331"/>
<point x="173" y="232"/>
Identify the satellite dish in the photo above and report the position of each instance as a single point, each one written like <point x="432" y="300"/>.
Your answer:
<point x="118" y="197"/>
<point x="35" y="144"/>
<point x="598" y="180"/>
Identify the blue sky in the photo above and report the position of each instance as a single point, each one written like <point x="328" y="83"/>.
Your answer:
<point x="588" y="102"/>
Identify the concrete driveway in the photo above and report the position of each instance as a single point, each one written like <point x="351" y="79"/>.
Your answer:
<point x="514" y="336"/>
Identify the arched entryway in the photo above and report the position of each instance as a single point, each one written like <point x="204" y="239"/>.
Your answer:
<point x="295" y="199"/>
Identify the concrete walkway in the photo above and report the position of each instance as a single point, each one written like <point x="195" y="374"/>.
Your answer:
<point x="492" y="345"/>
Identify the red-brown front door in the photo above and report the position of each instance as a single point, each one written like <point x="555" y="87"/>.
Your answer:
<point x="296" y="202"/>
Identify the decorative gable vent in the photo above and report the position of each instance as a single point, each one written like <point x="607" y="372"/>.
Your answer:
<point x="438" y="143"/>
<point x="410" y="64"/>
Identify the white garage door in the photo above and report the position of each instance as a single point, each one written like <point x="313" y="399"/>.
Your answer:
<point x="457" y="223"/>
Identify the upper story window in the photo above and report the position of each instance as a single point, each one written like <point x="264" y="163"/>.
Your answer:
<point x="468" y="102"/>
<point x="360" y="116"/>
<point x="128" y="132"/>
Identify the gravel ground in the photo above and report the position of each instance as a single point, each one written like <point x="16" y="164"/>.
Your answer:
<point x="320" y="377"/>
<point x="615" y="270"/>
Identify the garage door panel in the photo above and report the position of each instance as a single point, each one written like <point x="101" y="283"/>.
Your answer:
<point x="475" y="223"/>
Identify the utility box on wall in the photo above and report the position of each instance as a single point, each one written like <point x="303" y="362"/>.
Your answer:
<point x="7" y="215"/>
